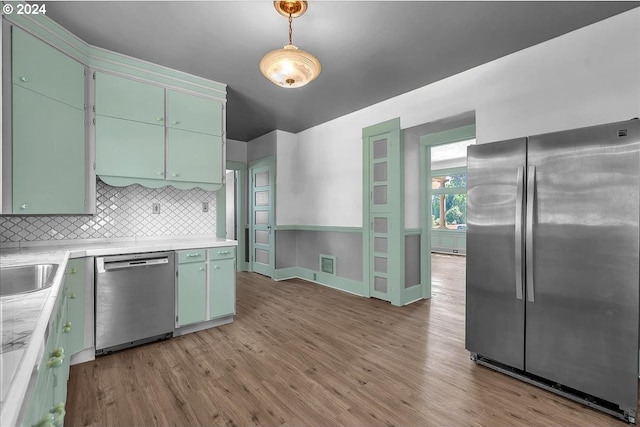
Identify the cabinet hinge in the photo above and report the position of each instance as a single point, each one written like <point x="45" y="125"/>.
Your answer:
<point x="85" y="107"/>
<point x="94" y="165"/>
<point x="176" y="318"/>
<point x="94" y="108"/>
<point x="94" y="75"/>
<point x="85" y="72"/>
<point x="94" y="122"/>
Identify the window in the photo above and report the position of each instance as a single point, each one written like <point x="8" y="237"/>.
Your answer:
<point x="449" y="199"/>
<point x="449" y="185"/>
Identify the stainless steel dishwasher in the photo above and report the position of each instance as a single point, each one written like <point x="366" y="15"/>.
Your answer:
<point x="134" y="299"/>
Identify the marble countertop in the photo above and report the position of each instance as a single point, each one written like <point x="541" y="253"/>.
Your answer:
<point x="25" y="317"/>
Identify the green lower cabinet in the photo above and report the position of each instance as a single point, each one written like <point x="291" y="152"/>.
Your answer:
<point x="222" y="288"/>
<point x="194" y="157"/>
<point x="49" y="167"/>
<point x="46" y="405"/>
<point x="125" y="148"/>
<point x="74" y="327"/>
<point x="192" y="293"/>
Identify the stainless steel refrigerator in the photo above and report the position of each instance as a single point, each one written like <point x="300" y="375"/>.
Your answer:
<point x="553" y="262"/>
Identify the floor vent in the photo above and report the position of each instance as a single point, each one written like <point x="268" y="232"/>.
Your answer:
<point x="328" y="264"/>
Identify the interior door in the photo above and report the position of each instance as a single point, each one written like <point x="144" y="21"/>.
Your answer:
<point x="495" y="217"/>
<point x="384" y="245"/>
<point x="583" y="272"/>
<point x="262" y="220"/>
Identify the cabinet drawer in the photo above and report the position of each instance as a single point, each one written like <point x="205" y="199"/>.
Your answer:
<point x="195" y="255"/>
<point x="222" y="253"/>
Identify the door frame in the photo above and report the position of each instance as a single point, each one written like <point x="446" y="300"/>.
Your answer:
<point x="426" y="142"/>
<point x="269" y="161"/>
<point x="241" y="212"/>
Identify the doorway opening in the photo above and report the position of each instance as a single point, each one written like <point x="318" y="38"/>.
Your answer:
<point x="443" y="154"/>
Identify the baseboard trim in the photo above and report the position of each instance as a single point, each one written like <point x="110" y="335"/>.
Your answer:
<point x="202" y="326"/>
<point x="329" y="280"/>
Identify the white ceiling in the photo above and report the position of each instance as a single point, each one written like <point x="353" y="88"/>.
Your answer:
<point x="370" y="51"/>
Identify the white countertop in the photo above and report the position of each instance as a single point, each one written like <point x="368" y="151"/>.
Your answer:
<point x="25" y="317"/>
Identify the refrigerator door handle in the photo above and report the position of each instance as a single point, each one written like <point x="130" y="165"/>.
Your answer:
<point x="531" y="195"/>
<point x="518" y="234"/>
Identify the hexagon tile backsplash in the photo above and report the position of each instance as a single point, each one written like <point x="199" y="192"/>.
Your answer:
<point x="121" y="212"/>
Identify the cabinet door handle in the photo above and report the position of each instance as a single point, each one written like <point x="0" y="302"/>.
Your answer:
<point x="201" y="269"/>
<point x="58" y="413"/>
<point x="67" y="327"/>
<point x="58" y="352"/>
<point x="176" y="122"/>
<point x="73" y="271"/>
<point x="55" y="362"/>
<point x="216" y="267"/>
<point x="72" y="296"/>
<point x="160" y="173"/>
<point x="46" y="421"/>
<point x="223" y="252"/>
<point x="160" y="119"/>
<point x="25" y="206"/>
<point x="24" y="79"/>
<point x="175" y="174"/>
<point x="192" y="255"/>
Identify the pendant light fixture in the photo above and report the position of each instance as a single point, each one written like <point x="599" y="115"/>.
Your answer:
<point x="290" y="67"/>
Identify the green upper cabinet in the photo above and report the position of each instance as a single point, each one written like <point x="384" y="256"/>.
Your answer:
<point x="128" y="99"/>
<point x="48" y="161"/>
<point x="194" y="157"/>
<point x="129" y="149"/>
<point x="135" y="144"/>
<point x="49" y="170"/>
<point x="42" y="69"/>
<point x="193" y="113"/>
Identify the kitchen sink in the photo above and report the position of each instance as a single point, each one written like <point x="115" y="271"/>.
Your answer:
<point x="26" y="278"/>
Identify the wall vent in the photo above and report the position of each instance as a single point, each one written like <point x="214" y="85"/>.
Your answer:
<point x="328" y="264"/>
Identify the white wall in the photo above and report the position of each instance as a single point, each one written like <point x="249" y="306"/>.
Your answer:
<point x="587" y="77"/>
<point x="262" y="146"/>
<point x="236" y="151"/>
<point x="286" y="176"/>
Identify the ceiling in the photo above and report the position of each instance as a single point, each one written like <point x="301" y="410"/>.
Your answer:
<point x="370" y="51"/>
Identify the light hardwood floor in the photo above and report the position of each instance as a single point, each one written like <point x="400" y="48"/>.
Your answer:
<point x="300" y="354"/>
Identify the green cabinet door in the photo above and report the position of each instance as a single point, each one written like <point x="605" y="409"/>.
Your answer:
<point x="194" y="157"/>
<point x="129" y="149"/>
<point x="129" y="99"/>
<point x="45" y="70"/>
<point x="48" y="155"/>
<point x="194" y="113"/>
<point x="74" y="327"/>
<point x="192" y="291"/>
<point x="222" y="288"/>
<point x="41" y="398"/>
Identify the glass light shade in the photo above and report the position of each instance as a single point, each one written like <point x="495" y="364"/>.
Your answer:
<point x="290" y="67"/>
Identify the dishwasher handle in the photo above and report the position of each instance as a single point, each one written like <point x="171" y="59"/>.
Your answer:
<point x="103" y="267"/>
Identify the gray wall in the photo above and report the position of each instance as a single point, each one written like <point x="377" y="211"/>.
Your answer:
<point x="345" y="246"/>
<point x="411" y="260"/>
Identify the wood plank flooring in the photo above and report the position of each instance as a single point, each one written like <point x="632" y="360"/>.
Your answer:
<point x="300" y="354"/>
